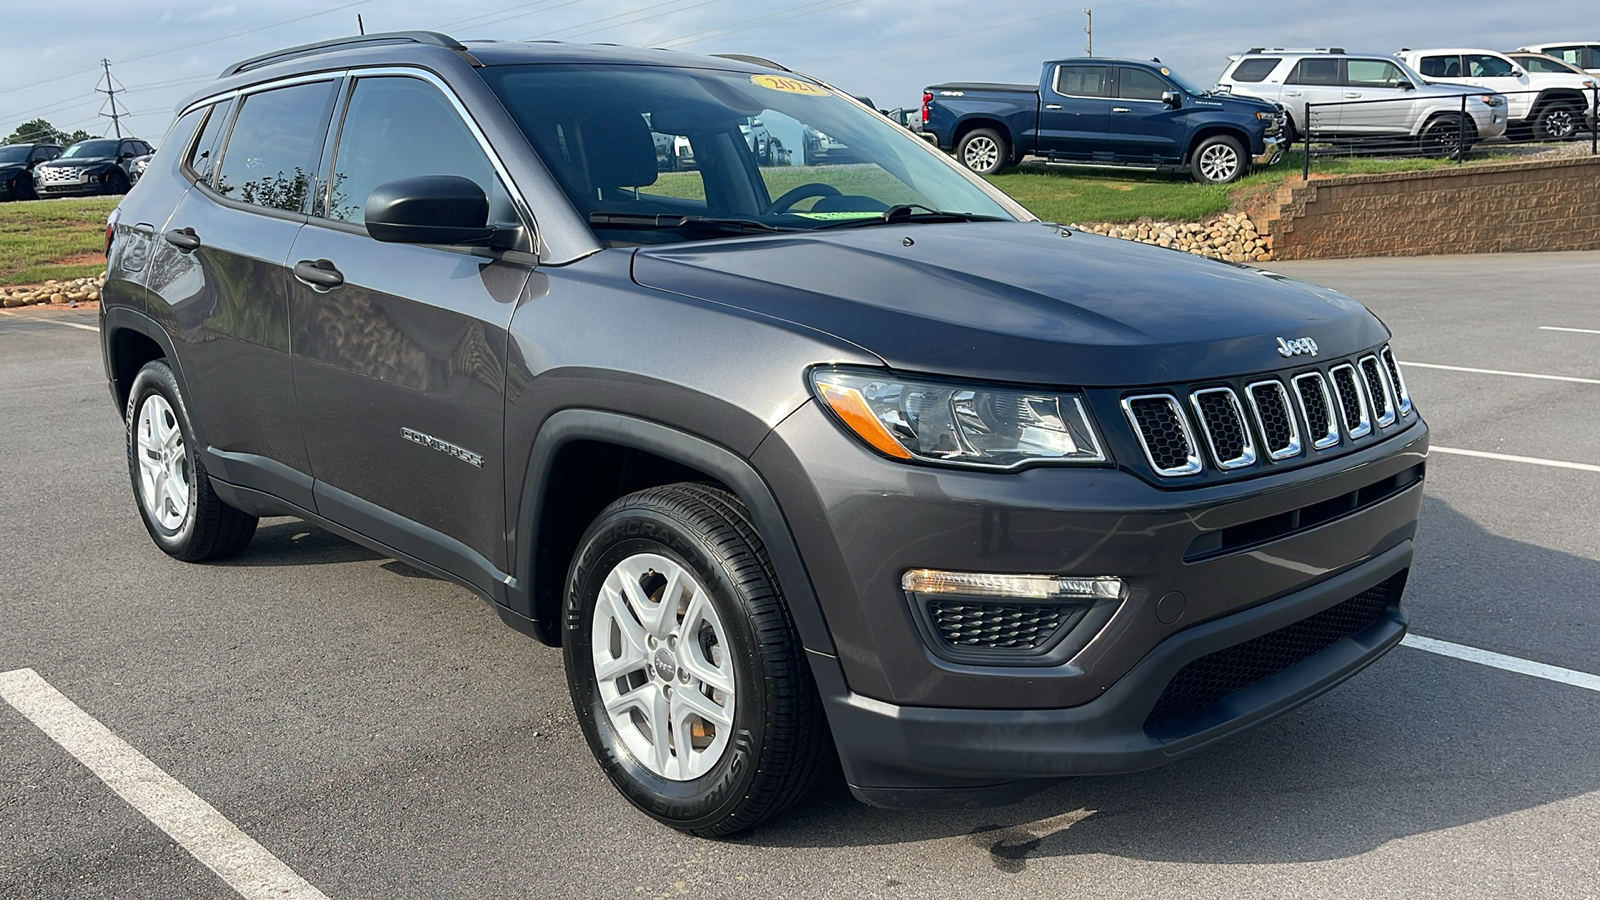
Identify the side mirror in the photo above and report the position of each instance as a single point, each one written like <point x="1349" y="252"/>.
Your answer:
<point x="1405" y="85"/>
<point x="1172" y="99"/>
<point x="429" y="209"/>
<point x="756" y="123"/>
<point x="1516" y="72"/>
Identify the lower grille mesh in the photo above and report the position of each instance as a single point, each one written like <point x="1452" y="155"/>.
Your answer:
<point x="995" y="626"/>
<point x="1210" y="678"/>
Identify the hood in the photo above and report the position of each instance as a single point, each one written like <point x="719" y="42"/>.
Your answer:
<point x="1237" y="103"/>
<point x="9" y="169"/>
<point x="1018" y="301"/>
<point x="77" y="162"/>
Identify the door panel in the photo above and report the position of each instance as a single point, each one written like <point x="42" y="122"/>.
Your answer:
<point x="1074" y="111"/>
<point x="1378" y="105"/>
<point x="1142" y="127"/>
<point x="1315" y="80"/>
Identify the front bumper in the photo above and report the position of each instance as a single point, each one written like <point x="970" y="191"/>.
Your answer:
<point x="910" y="756"/>
<point x="1271" y="153"/>
<point x="87" y="189"/>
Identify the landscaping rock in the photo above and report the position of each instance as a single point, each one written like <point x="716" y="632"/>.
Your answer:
<point x="1230" y="236"/>
<point x="54" y="291"/>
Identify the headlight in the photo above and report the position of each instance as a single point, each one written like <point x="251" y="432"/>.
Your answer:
<point x="1492" y="99"/>
<point x="948" y="422"/>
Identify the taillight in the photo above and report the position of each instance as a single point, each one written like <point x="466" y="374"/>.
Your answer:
<point x="926" y="99"/>
<point x="110" y="230"/>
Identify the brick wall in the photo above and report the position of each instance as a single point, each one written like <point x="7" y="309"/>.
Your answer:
<point x="1491" y="208"/>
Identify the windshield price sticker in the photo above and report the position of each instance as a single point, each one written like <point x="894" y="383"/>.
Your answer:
<point x="788" y="85"/>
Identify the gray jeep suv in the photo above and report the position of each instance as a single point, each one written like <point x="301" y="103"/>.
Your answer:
<point x="796" y="463"/>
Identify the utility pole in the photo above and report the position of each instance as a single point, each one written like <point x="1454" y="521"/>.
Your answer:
<point x="1088" y="29"/>
<point x="111" y="91"/>
<point x="360" y="25"/>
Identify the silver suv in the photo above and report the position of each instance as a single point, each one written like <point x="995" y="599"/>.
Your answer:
<point x="1302" y="79"/>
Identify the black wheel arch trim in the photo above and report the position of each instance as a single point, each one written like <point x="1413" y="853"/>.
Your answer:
<point x="737" y="474"/>
<point x="122" y="318"/>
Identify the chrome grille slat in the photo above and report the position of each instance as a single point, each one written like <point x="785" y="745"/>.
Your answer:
<point x="1222" y="420"/>
<point x="1279" y="429"/>
<point x="1316" y="408"/>
<point x="1398" y="381"/>
<point x="1164" y="434"/>
<point x="1378" y="389"/>
<point x="1351" y="401"/>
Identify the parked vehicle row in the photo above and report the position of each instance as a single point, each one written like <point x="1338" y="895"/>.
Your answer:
<point x="1113" y="111"/>
<point x="1546" y="98"/>
<point x="94" y="166"/>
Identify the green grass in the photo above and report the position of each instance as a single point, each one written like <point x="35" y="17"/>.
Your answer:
<point x="36" y="235"/>
<point x="1067" y="194"/>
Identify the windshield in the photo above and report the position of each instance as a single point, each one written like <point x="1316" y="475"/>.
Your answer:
<point x="632" y="143"/>
<point x="1184" y="83"/>
<point x="14" y="154"/>
<point x="91" y="149"/>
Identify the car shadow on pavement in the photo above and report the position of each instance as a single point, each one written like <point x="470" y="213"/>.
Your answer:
<point x="293" y="542"/>
<point x="1415" y="744"/>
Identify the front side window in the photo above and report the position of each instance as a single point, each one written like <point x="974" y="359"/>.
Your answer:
<point x="1479" y="65"/>
<point x="44" y="153"/>
<point x="1315" y="70"/>
<point x="397" y="127"/>
<point x="639" y="148"/>
<point x="1373" y="73"/>
<point x="1082" y="81"/>
<point x="270" y="156"/>
<point x="1255" y="69"/>
<point x="1137" y="84"/>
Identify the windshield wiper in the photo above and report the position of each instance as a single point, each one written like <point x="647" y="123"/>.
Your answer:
<point x="703" y="223"/>
<point x="907" y="212"/>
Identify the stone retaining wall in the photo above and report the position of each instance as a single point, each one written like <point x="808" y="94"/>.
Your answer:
<point x="1491" y="208"/>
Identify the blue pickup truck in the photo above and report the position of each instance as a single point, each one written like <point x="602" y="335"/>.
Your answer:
<point x="1112" y="111"/>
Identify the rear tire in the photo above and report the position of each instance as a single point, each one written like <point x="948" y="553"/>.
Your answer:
<point x="983" y="150"/>
<point x="686" y="674"/>
<point x="1218" y="159"/>
<point x="1558" y="121"/>
<point x="182" y="512"/>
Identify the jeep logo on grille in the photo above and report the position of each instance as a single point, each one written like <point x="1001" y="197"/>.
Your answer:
<point x="1298" y="347"/>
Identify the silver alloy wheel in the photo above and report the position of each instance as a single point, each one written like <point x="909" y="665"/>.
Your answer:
<point x="1559" y="123"/>
<point x="981" y="153"/>
<point x="1219" y="162"/>
<point x="164" y="475"/>
<point x="663" y="666"/>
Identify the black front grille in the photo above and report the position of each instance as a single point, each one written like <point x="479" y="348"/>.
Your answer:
<point x="1314" y="401"/>
<point x="1162" y="430"/>
<point x="1210" y="678"/>
<point x="1394" y="377"/>
<point x="1344" y="383"/>
<point x="996" y="626"/>
<point x="1277" y="423"/>
<point x="1380" y="397"/>
<point x="1219" y="416"/>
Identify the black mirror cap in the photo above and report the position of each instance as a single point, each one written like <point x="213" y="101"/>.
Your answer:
<point x="1405" y="85"/>
<point x="1172" y="99"/>
<point x="429" y="209"/>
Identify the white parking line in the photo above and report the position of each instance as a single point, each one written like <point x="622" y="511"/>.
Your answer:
<point x="1573" y="330"/>
<point x="94" y="328"/>
<point x="245" y="865"/>
<point x="1501" y="661"/>
<point x="1571" y="378"/>
<point x="1507" y="457"/>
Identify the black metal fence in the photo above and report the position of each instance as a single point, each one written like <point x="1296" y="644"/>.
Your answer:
<point x="1417" y="124"/>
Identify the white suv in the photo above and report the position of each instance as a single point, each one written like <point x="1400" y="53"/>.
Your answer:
<point x="1349" y="83"/>
<point x="1552" y="105"/>
<point x="1583" y="54"/>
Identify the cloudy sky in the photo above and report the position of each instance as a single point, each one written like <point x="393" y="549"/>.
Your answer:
<point x="885" y="49"/>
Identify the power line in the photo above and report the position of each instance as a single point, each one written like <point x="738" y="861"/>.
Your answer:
<point x="695" y="37"/>
<point x="670" y="12"/>
<point x="491" y="14"/>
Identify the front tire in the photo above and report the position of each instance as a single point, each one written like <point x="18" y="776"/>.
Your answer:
<point x="1558" y="121"/>
<point x="1217" y="160"/>
<point x="182" y="512"/>
<point x="687" y="676"/>
<point x="117" y="182"/>
<point x="983" y="150"/>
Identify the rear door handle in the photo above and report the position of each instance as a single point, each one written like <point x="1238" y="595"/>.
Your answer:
<point x="1120" y="109"/>
<point x="184" y="239"/>
<point x="1291" y="93"/>
<point x="319" y="273"/>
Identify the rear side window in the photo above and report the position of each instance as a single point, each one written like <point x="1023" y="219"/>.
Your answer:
<point x="1441" y="67"/>
<point x="270" y="157"/>
<point x="1137" y="84"/>
<point x="1082" y="81"/>
<point x="1480" y="65"/>
<point x="1572" y="56"/>
<point x="206" y="146"/>
<point x="398" y="127"/>
<point x="1373" y="73"/>
<point x="1255" y="69"/>
<point x="1536" y="64"/>
<point x="1315" y="70"/>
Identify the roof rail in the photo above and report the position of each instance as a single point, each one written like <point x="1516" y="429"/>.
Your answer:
<point x="1338" y="50"/>
<point x="753" y="60"/>
<point x="432" y="38"/>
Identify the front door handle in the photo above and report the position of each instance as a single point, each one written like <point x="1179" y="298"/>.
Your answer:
<point x="1292" y="93"/>
<point x="184" y="239"/>
<point x="1352" y="95"/>
<point x="319" y="273"/>
<point x="1120" y="109"/>
<point x="1052" y="106"/>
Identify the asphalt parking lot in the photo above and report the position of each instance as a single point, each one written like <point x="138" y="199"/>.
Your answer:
<point x="382" y="735"/>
